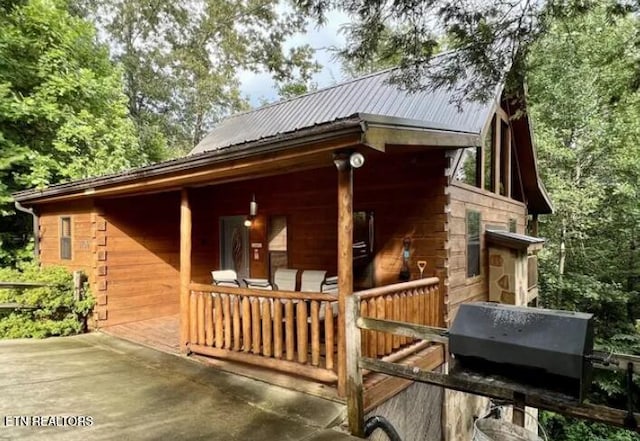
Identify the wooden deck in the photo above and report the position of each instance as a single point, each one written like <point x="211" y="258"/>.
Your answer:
<point x="161" y="333"/>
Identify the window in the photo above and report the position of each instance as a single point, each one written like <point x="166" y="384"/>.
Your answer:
<point x="473" y="243"/>
<point x="65" y="238"/>
<point x="468" y="167"/>
<point x="513" y="226"/>
<point x="505" y="159"/>
<point x="277" y="236"/>
<point x="489" y="147"/>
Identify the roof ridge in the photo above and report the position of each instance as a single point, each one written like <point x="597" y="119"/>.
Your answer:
<point x="324" y="89"/>
<point x="313" y="92"/>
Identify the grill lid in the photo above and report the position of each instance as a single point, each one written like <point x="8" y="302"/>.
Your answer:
<point x="536" y="346"/>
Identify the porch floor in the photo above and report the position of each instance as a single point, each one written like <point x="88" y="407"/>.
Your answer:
<point x="163" y="334"/>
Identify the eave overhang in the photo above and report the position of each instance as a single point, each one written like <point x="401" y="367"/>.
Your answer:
<point x="272" y="155"/>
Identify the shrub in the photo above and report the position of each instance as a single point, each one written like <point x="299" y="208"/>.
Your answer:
<point x="55" y="312"/>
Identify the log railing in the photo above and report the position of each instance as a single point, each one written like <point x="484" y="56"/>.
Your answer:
<point x="418" y="302"/>
<point x="292" y="332"/>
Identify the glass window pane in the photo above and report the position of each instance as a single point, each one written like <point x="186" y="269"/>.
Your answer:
<point x="489" y="143"/>
<point x="473" y="243"/>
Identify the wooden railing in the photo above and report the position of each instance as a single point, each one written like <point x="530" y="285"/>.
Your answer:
<point x="292" y="332"/>
<point x="418" y="302"/>
<point x="532" y="271"/>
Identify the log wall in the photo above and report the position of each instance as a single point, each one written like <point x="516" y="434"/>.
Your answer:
<point x="494" y="210"/>
<point x="405" y="191"/>
<point x="141" y="268"/>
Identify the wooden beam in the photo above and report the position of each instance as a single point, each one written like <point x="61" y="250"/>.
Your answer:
<point x="345" y="258"/>
<point x="438" y="335"/>
<point x="497" y="155"/>
<point x="508" y="167"/>
<point x="221" y="171"/>
<point x="355" y="391"/>
<point x="534" y="225"/>
<point x="378" y="137"/>
<point x="185" y="269"/>
<point x="501" y="391"/>
<point x="290" y="367"/>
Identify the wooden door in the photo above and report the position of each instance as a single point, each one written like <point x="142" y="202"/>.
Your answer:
<point x="234" y="245"/>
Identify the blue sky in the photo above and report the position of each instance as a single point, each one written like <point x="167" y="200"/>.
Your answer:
<point x="260" y="87"/>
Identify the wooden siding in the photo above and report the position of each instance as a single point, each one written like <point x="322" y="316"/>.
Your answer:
<point x="81" y="235"/>
<point x="141" y="261"/>
<point x="404" y="190"/>
<point x="494" y="210"/>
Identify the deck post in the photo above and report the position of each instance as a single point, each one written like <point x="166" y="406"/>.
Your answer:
<point x="355" y="398"/>
<point x="185" y="269"/>
<point x="345" y="258"/>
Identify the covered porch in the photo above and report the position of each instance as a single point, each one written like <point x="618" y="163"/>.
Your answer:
<point x="298" y="332"/>
<point x="159" y="286"/>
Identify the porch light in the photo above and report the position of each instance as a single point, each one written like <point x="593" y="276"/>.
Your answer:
<point x="253" y="211"/>
<point x="253" y="207"/>
<point x="356" y="160"/>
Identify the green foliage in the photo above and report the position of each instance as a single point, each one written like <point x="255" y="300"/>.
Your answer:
<point x="586" y="107"/>
<point x="562" y="428"/>
<point x="56" y="312"/>
<point x="182" y="61"/>
<point x="63" y="113"/>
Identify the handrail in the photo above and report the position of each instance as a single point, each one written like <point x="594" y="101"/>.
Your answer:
<point x="396" y="287"/>
<point x="248" y="292"/>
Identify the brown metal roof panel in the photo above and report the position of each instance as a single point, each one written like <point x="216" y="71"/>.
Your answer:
<point x="372" y="94"/>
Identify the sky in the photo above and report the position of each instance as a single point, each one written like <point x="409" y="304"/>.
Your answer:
<point x="260" y="88"/>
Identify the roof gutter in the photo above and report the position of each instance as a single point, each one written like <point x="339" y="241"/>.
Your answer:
<point x="277" y="143"/>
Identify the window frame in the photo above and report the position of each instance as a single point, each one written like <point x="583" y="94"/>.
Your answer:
<point x="66" y="241"/>
<point x="473" y="243"/>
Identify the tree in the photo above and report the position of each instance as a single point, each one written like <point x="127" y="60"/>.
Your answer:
<point x="63" y="114"/>
<point x="586" y="108"/>
<point x="487" y="39"/>
<point x="181" y="60"/>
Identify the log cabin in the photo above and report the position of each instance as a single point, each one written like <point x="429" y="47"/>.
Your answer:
<point x="415" y="203"/>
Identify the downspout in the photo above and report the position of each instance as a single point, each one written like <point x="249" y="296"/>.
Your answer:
<point x="36" y="224"/>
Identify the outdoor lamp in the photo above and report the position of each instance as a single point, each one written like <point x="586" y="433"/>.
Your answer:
<point x="253" y="211"/>
<point x="356" y="160"/>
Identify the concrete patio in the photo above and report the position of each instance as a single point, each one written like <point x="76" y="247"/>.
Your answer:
<point x="136" y="393"/>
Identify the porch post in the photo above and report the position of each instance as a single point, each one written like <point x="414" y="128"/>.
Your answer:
<point x="345" y="259"/>
<point x="185" y="269"/>
<point x="534" y="226"/>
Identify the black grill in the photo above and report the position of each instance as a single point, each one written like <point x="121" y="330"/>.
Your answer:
<point x="538" y="347"/>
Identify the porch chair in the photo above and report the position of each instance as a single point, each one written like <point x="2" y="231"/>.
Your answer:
<point x="225" y="278"/>
<point x="315" y="281"/>
<point x="285" y="279"/>
<point x="312" y="280"/>
<point x="258" y="284"/>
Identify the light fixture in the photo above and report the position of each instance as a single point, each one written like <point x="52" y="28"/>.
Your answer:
<point x="253" y="207"/>
<point x="356" y="160"/>
<point x="253" y="212"/>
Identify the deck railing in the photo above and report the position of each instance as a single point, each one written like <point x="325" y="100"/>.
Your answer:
<point x="292" y="332"/>
<point x="418" y="302"/>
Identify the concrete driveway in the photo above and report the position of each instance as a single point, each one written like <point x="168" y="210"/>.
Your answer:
<point x="101" y="388"/>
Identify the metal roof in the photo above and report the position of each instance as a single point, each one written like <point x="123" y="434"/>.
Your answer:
<point x="372" y="95"/>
